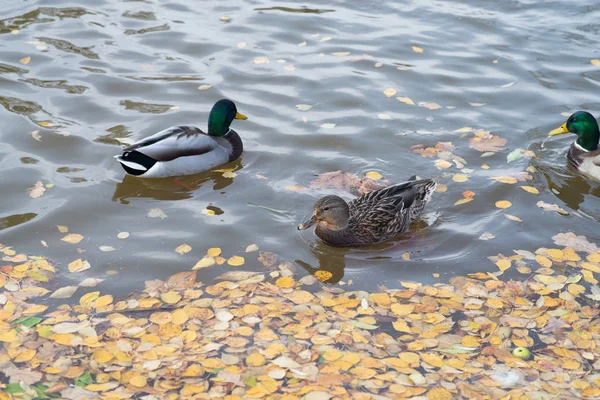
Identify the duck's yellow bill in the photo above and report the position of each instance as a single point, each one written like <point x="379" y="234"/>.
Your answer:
<point x="240" y="116"/>
<point x="559" y="131"/>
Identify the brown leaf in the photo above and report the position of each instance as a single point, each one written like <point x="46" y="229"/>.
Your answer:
<point x="487" y="142"/>
<point x="182" y="280"/>
<point x="347" y="182"/>
<point x="578" y="243"/>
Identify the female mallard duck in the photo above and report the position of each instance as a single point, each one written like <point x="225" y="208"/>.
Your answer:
<point x="186" y="150"/>
<point x="372" y="218"/>
<point x="584" y="153"/>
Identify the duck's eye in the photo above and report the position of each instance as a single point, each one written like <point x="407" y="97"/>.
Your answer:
<point x="325" y="208"/>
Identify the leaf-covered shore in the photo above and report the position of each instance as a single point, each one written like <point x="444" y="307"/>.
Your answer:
<point x="269" y="336"/>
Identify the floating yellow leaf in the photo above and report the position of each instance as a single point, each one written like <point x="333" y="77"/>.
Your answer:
<point x="595" y="62"/>
<point x="470" y="341"/>
<point x="138" y="381"/>
<point x="183" y="248"/>
<point x="504" y="264"/>
<point x="102" y="356"/>
<point x="402" y="309"/>
<point x="494" y="303"/>
<point x="236" y="261"/>
<point x="374" y="175"/>
<point x="88" y="298"/>
<point x="204" y="262"/>
<point x="439" y="393"/>
<point x="417" y="49"/>
<point x="255" y="360"/>
<point x="530" y="189"/>
<point x="72" y="238"/>
<point x="323" y="275"/>
<point x="285" y="282"/>
<point x="9" y="336"/>
<point x="25" y="60"/>
<point x="389" y="92"/>
<point x="62" y="228"/>
<point x="513" y="218"/>
<point x="171" y="297"/>
<point x="511" y="180"/>
<point x="460" y="178"/>
<point x="543" y="261"/>
<point x="103" y="301"/>
<point x="405" y="100"/>
<point x="503" y="204"/>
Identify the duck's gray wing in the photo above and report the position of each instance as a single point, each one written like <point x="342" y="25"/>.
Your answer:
<point x="174" y="142"/>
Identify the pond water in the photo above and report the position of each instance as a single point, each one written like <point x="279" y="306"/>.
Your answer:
<point x="92" y="75"/>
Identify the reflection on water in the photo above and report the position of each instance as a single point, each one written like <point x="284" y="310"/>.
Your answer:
<point x="179" y="188"/>
<point x="79" y="82"/>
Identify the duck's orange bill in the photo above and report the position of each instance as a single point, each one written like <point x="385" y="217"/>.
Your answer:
<point x="240" y="116"/>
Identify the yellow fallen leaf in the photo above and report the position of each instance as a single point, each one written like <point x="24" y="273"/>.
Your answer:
<point x="513" y="218"/>
<point x="285" y="282"/>
<point x="530" y="189"/>
<point x="102" y="356"/>
<point x="504" y="264"/>
<point x="323" y="275"/>
<point x="511" y="180"/>
<point x="595" y="62"/>
<point x="402" y="309"/>
<point x="171" y="297"/>
<point x="470" y="341"/>
<point x="405" y="100"/>
<point x="255" y="360"/>
<point x="433" y="359"/>
<point x="503" y="204"/>
<point x="575" y="289"/>
<point x="236" y="261"/>
<point x="72" y="238"/>
<point x="138" y="381"/>
<point x="9" y="336"/>
<point x="25" y="60"/>
<point x="417" y="49"/>
<point x="374" y="175"/>
<point x="180" y="317"/>
<point x="462" y="201"/>
<point x="494" y="303"/>
<point x="204" y="262"/>
<point x="88" y="298"/>
<point x="543" y="261"/>
<point x="103" y="301"/>
<point x="389" y="92"/>
<point x="460" y="178"/>
<point x="62" y="228"/>
<point x="183" y="248"/>
<point x="439" y="393"/>
<point x="363" y="372"/>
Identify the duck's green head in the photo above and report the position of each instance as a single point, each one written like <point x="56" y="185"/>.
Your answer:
<point x="221" y="116"/>
<point x="585" y="126"/>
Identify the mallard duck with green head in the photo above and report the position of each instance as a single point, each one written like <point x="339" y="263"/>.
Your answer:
<point x="374" y="217"/>
<point x="186" y="150"/>
<point x="583" y="153"/>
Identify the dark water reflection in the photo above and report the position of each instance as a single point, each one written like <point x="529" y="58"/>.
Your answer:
<point x="104" y="73"/>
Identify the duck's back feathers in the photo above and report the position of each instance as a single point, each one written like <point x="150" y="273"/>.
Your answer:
<point x="382" y="214"/>
<point x="179" y="150"/>
<point x="174" y="142"/>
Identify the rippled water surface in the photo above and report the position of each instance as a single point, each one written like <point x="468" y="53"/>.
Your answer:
<point x="92" y="75"/>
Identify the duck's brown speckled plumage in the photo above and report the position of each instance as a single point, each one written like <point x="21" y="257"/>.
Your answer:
<point x="381" y="215"/>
